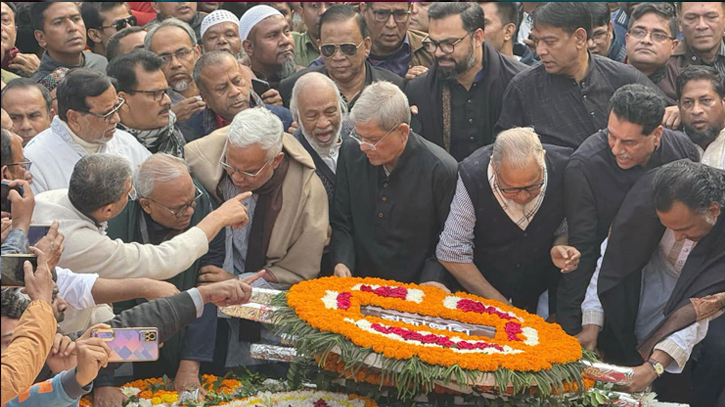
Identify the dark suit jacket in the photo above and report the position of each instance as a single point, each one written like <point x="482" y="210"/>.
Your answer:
<point x="373" y="73"/>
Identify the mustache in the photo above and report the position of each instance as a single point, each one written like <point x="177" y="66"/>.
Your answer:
<point x="166" y="108"/>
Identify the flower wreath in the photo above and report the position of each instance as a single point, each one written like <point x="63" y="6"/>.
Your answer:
<point x="307" y="398"/>
<point x="331" y="314"/>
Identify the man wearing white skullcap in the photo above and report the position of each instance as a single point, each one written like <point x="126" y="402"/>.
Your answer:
<point x="268" y="42"/>
<point x="220" y="32"/>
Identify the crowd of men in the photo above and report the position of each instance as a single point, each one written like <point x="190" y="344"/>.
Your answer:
<point x="565" y="158"/>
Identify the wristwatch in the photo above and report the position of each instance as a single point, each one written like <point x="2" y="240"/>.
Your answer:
<point x="659" y="369"/>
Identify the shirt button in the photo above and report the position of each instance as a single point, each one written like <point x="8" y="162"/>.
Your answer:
<point x="518" y="265"/>
<point x="384" y="199"/>
<point x="471" y="139"/>
<point x="380" y="215"/>
<point x="585" y="96"/>
<point x="592" y="113"/>
<point x="385" y="185"/>
<point x="470" y="120"/>
<point x="526" y="235"/>
<point x="469" y="100"/>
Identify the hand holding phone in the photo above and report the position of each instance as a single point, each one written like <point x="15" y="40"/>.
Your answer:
<point x="13" y="268"/>
<point x="260" y="86"/>
<point x="130" y="344"/>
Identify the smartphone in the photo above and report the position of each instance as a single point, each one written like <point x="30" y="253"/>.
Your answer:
<point x="36" y="232"/>
<point x="130" y="344"/>
<point x="260" y="86"/>
<point x="5" y="204"/>
<point x="13" y="273"/>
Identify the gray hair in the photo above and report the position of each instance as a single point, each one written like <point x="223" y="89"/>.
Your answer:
<point x="318" y="79"/>
<point x="257" y="126"/>
<point x="382" y="103"/>
<point x="98" y="180"/>
<point x="208" y="59"/>
<point x="157" y="169"/>
<point x="169" y="22"/>
<point x="517" y="146"/>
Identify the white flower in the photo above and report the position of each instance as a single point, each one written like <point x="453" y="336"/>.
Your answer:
<point x="330" y="299"/>
<point x="130" y="391"/>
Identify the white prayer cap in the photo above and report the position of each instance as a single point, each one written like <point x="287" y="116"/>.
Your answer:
<point x="254" y="16"/>
<point x="216" y="17"/>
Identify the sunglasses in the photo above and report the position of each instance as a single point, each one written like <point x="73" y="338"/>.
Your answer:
<point x="119" y="25"/>
<point x="349" y="49"/>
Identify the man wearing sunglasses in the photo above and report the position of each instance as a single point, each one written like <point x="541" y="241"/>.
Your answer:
<point x="170" y="203"/>
<point x="86" y="124"/>
<point x="102" y="20"/>
<point x="345" y="44"/>
<point x="147" y="113"/>
<point x="59" y="28"/>
<point x="459" y="101"/>
<point x="507" y="214"/>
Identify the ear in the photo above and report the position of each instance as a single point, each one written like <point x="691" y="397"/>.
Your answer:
<point x="319" y="43"/>
<point x="610" y="27"/>
<point x="197" y="51"/>
<point x="363" y="7"/>
<point x="580" y="35"/>
<point x="367" y="43"/>
<point x="5" y="172"/>
<point x="145" y="205"/>
<point x="40" y="37"/>
<point x="277" y="160"/>
<point x="248" y="47"/>
<point x="657" y="134"/>
<point x="508" y="31"/>
<point x="404" y="129"/>
<point x="94" y="35"/>
<point x="714" y="210"/>
<point x="479" y="36"/>
<point x="124" y="95"/>
<point x="675" y="43"/>
<point x="53" y="113"/>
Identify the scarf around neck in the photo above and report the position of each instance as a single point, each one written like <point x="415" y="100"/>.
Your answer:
<point x="167" y="139"/>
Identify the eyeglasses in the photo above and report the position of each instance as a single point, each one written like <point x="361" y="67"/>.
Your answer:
<point x="656" y="36"/>
<point x="349" y="49"/>
<point x="107" y="116"/>
<point x="399" y="16"/>
<point x="514" y="191"/>
<point x="132" y="194"/>
<point x="599" y="34"/>
<point x="180" y="54"/>
<point x="231" y="170"/>
<point x="26" y="164"/>
<point x="181" y="211"/>
<point x="370" y="146"/>
<point x="157" y="95"/>
<point x="119" y="25"/>
<point x="446" y="47"/>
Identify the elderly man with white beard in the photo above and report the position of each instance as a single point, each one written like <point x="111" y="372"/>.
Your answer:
<point x="321" y="112"/>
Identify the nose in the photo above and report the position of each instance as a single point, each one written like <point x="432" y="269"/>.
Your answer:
<point x="591" y="43"/>
<point x="25" y="124"/>
<point x="235" y="91"/>
<point x="616" y="148"/>
<point x="701" y="24"/>
<point x="166" y="100"/>
<point x="115" y="118"/>
<point x="323" y="122"/>
<point x="697" y="109"/>
<point x="541" y="48"/>
<point x="390" y="22"/>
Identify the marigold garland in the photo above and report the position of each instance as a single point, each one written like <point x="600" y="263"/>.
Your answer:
<point x="304" y="399"/>
<point x="554" y="345"/>
<point x="157" y="392"/>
